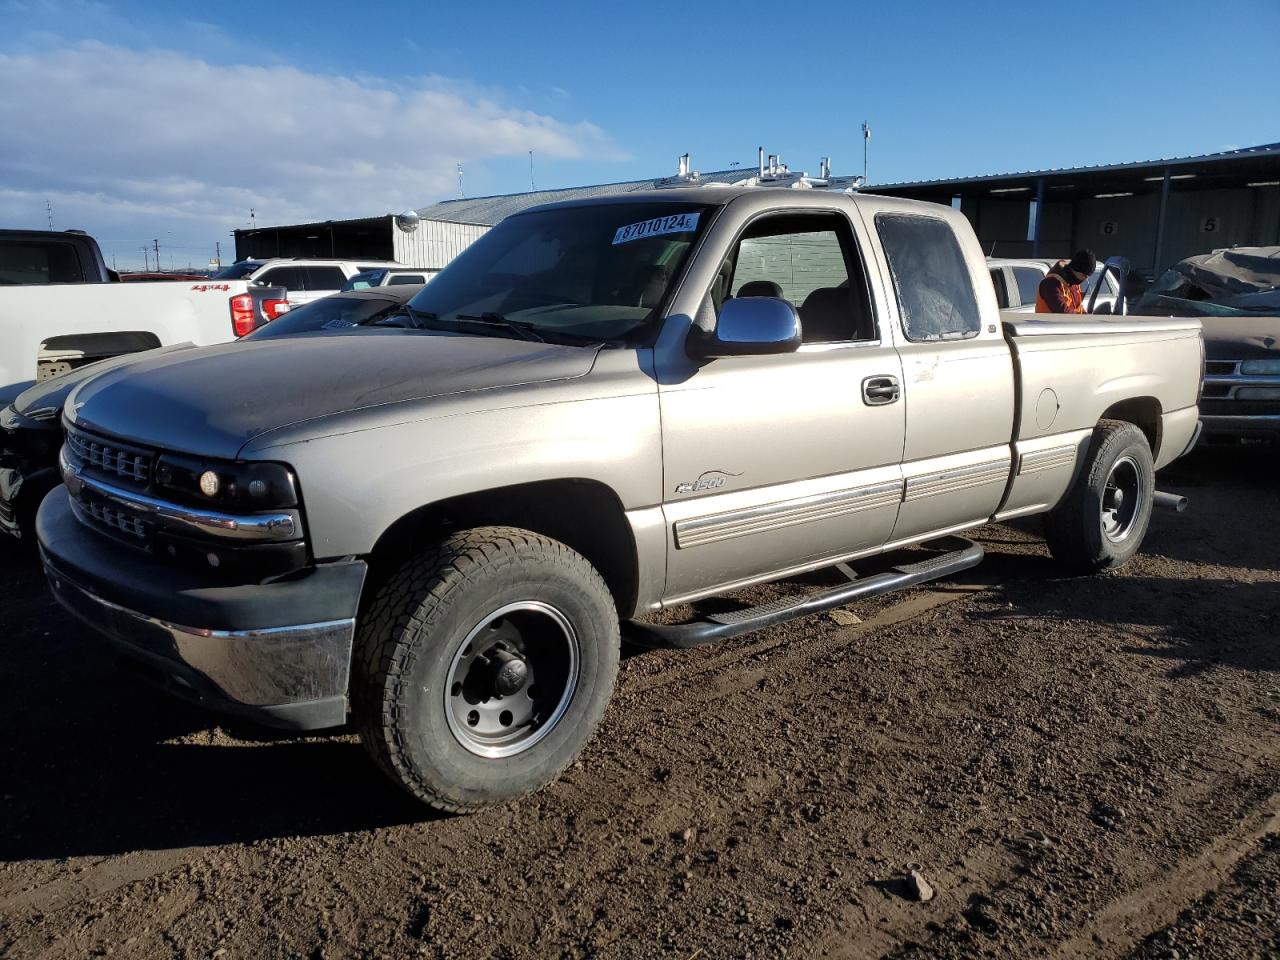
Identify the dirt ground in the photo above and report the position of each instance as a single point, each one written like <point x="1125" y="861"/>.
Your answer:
<point x="1074" y="768"/>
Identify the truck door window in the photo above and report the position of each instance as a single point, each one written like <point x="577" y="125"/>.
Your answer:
<point x="1028" y="279"/>
<point x="930" y="277"/>
<point x="43" y="262"/>
<point x="997" y="281"/>
<point x="811" y="261"/>
<point x="324" y="278"/>
<point x="290" y="278"/>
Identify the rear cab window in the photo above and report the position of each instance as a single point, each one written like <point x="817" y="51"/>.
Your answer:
<point x="930" y="277"/>
<point x="39" y="262"/>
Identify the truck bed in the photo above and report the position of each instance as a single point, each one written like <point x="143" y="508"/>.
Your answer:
<point x="1073" y="371"/>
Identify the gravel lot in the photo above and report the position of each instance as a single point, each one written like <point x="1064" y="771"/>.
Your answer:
<point x="1072" y="768"/>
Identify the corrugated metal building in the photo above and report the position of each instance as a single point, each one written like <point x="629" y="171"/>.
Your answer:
<point x="443" y="230"/>
<point x="1154" y="212"/>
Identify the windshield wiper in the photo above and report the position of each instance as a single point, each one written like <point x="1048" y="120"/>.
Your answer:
<point x="523" y="330"/>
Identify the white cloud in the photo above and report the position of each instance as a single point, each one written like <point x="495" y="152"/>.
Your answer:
<point x="134" y="140"/>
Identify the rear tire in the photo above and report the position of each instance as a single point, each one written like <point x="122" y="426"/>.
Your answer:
<point x="1104" y="518"/>
<point x="483" y="666"/>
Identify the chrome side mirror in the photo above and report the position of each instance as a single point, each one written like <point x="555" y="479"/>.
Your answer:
<point x="749" y="326"/>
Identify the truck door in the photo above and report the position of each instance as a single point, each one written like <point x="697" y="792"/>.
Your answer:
<point x="776" y="463"/>
<point x="957" y="373"/>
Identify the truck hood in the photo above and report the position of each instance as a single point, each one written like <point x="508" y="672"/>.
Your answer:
<point x="44" y="400"/>
<point x="210" y="401"/>
<point x="1241" y="338"/>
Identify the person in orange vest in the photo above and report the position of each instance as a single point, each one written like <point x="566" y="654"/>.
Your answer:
<point x="1059" y="291"/>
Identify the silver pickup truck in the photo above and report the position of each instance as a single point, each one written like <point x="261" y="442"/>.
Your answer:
<point x="433" y="523"/>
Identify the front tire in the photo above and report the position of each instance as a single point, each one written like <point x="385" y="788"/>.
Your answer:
<point x="1104" y="518"/>
<point x="483" y="666"/>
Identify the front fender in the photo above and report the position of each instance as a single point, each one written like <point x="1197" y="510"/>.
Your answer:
<point x="356" y="484"/>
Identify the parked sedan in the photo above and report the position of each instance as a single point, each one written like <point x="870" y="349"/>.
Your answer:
<point x="31" y="422"/>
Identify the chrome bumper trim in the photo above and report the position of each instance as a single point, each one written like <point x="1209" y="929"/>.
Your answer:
<point x="268" y="667"/>
<point x="276" y="526"/>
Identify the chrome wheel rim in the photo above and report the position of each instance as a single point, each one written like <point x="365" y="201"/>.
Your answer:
<point x="512" y="679"/>
<point x="1122" y="499"/>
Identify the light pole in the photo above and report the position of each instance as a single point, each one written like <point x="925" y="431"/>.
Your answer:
<point x="866" y="139"/>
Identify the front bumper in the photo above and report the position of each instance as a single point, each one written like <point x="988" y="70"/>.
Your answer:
<point x="278" y="652"/>
<point x="1256" y="426"/>
<point x="20" y="492"/>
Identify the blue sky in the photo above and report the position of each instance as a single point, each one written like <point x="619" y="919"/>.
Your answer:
<point x="170" y="120"/>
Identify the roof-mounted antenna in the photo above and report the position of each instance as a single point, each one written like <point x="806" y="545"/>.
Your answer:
<point x="683" y="165"/>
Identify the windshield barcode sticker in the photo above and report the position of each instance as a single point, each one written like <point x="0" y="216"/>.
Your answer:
<point x="676" y="223"/>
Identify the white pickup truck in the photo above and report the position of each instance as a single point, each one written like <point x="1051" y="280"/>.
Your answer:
<point x="47" y="328"/>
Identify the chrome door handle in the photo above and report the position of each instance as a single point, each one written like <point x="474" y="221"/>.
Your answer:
<point x="877" y="391"/>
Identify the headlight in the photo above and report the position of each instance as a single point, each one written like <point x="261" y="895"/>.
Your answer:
<point x="243" y="486"/>
<point x="1264" y="367"/>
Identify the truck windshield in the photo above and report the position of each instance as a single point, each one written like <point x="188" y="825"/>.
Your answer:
<point x="587" y="272"/>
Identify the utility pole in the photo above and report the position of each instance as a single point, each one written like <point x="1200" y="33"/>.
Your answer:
<point x="48" y="212"/>
<point x="146" y="261"/>
<point x="217" y="252"/>
<point x="532" y="188"/>
<point x="157" y="243"/>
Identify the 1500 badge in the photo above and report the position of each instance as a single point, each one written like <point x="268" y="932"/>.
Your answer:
<point x="710" y="480"/>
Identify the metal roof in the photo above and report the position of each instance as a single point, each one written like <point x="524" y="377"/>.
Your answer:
<point x="1244" y="153"/>
<point x="490" y="210"/>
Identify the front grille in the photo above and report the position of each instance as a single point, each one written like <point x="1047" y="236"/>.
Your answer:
<point x="109" y="456"/>
<point x="117" y="521"/>
<point x="1220" y="368"/>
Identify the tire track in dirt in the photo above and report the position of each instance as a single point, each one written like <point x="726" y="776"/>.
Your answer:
<point x="1115" y="930"/>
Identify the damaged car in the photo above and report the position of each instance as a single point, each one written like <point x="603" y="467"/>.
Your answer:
<point x="1236" y="293"/>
